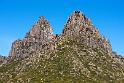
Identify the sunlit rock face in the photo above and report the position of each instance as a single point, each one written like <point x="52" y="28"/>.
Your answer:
<point x="76" y="22"/>
<point x="37" y="38"/>
<point x="80" y="54"/>
<point x="40" y="31"/>
<point x="80" y="28"/>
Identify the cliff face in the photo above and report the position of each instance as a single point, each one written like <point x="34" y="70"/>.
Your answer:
<point x="80" y="54"/>
<point x="80" y="28"/>
<point x="36" y="39"/>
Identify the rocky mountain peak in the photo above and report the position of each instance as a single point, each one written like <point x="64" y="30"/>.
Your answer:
<point x="41" y="28"/>
<point x="42" y="23"/>
<point x="42" y="20"/>
<point x="76" y="22"/>
<point x="80" y="29"/>
<point x="79" y="55"/>
<point x="39" y="35"/>
<point x="77" y="17"/>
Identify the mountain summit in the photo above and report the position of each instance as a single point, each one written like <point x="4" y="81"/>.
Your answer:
<point x="77" y="19"/>
<point x="80" y="28"/>
<point x="36" y="38"/>
<point x="80" y="54"/>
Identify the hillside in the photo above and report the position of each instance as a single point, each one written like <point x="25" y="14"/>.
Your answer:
<point x="80" y="54"/>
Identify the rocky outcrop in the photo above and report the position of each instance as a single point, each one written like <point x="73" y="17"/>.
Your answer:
<point x="76" y="22"/>
<point x="2" y="58"/>
<point x="78" y="28"/>
<point x="78" y="55"/>
<point x="81" y="29"/>
<point x="118" y="58"/>
<point x="37" y="38"/>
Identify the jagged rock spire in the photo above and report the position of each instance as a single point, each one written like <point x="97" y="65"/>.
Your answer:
<point x="78" y="17"/>
<point x="76" y="22"/>
<point x="38" y="37"/>
<point x="80" y="28"/>
<point x="41" y="29"/>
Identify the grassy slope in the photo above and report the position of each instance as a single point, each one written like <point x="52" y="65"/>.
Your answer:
<point x="71" y="63"/>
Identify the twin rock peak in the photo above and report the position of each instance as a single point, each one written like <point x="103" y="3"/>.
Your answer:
<point x="78" y="28"/>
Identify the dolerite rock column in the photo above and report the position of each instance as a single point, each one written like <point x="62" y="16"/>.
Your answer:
<point x="36" y="39"/>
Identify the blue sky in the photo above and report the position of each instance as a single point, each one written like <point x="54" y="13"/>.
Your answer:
<point x="18" y="16"/>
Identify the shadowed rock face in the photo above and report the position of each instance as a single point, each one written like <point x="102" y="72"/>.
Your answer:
<point x="2" y="58"/>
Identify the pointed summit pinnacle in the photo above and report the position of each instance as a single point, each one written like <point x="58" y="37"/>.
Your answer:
<point x="41" y="28"/>
<point x="76" y="22"/>
<point x="77" y="13"/>
<point x="79" y="18"/>
<point x="42" y="21"/>
<point x="38" y="37"/>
